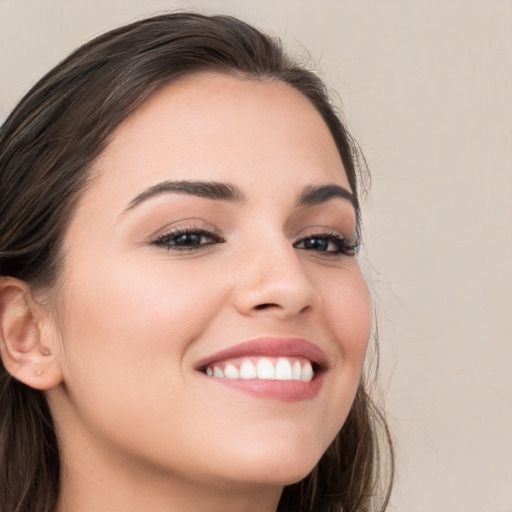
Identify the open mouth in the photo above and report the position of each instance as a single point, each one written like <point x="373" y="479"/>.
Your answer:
<point x="264" y="368"/>
<point x="275" y="368"/>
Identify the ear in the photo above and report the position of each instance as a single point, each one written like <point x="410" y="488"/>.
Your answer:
<point x="27" y="349"/>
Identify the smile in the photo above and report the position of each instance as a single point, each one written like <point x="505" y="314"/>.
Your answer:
<point x="283" y="369"/>
<point x="265" y="368"/>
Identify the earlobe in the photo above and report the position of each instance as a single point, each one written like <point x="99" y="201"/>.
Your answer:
<point x="26" y="355"/>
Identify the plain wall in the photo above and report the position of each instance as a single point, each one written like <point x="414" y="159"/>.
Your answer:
<point x="426" y="88"/>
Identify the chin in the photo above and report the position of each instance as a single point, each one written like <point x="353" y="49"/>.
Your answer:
<point x="279" y="468"/>
<point x="272" y="475"/>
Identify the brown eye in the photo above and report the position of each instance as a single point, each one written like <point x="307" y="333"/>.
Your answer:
<point x="181" y="239"/>
<point x="328" y="243"/>
<point x="189" y="240"/>
<point x="316" y="244"/>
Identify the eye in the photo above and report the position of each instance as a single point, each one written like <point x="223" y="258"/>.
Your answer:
<point x="328" y="243"/>
<point x="186" y="239"/>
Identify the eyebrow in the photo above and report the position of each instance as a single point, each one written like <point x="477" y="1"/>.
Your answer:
<point x="318" y="194"/>
<point x="207" y="189"/>
<point x="311" y="195"/>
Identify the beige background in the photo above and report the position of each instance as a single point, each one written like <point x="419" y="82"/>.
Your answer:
<point x="426" y="88"/>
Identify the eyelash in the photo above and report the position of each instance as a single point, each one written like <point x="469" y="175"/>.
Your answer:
<point x="343" y="245"/>
<point x="167" y="239"/>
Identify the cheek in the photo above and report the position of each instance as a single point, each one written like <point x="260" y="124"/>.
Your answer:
<point x="135" y="318"/>
<point x="126" y="333"/>
<point x="349" y="314"/>
<point x="349" y="311"/>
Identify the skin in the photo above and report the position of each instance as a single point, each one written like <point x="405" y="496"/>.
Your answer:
<point x="139" y="427"/>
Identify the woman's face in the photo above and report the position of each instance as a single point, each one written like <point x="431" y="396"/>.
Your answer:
<point x="216" y="238"/>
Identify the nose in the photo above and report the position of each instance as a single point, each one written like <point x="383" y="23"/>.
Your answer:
<point x="274" y="283"/>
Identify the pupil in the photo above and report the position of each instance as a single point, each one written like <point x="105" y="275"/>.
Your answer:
<point x="316" y="243"/>
<point x="188" y="239"/>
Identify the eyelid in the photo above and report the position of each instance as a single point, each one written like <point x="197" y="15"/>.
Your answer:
<point x="168" y="237"/>
<point x="184" y="225"/>
<point x="326" y="231"/>
<point x="349" y="244"/>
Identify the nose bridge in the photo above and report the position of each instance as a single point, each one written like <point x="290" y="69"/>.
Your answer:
<point x="274" y="278"/>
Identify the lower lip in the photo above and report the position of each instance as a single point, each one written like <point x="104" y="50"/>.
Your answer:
<point x="279" y="390"/>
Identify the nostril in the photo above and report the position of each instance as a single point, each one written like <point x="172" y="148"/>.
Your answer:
<point x="265" y="306"/>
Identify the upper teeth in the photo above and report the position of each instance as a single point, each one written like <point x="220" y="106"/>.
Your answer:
<point x="264" y="368"/>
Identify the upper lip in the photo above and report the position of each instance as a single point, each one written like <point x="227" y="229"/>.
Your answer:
<point x="269" y="347"/>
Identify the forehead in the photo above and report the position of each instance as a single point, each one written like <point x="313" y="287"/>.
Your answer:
<point x="213" y="126"/>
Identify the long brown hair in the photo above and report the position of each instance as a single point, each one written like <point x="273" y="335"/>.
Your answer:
<point x="47" y="146"/>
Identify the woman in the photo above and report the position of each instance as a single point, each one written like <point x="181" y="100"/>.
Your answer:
<point x="183" y="318"/>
